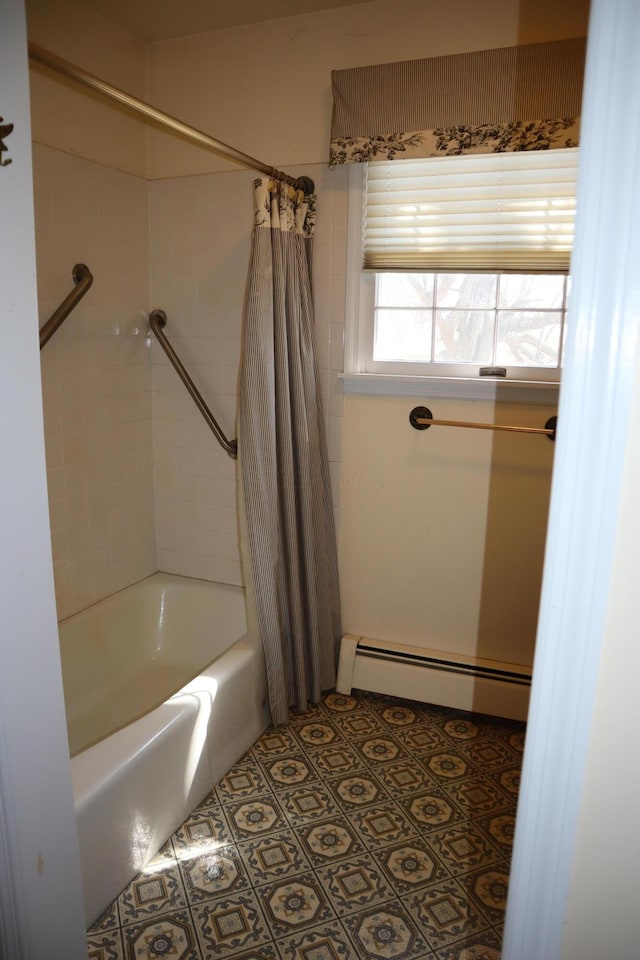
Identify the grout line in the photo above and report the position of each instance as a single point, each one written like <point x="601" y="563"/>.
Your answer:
<point x="457" y="760"/>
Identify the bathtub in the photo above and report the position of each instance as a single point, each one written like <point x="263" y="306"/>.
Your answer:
<point x="164" y="692"/>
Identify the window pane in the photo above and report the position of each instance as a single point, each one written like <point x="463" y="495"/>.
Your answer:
<point x="402" y="335"/>
<point x="404" y="290"/>
<point x="531" y="291"/>
<point x="530" y="339"/>
<point x="464" y="336"/>
<point x="455" y="318"/>
<point x="466" y="290"/>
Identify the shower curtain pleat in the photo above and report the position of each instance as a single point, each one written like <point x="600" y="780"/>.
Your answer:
<point x="282" y="453"/>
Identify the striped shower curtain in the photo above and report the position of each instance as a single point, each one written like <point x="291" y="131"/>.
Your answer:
<point x="286" y="495"/>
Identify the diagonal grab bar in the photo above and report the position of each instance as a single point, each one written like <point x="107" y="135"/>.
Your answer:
<point x="83" y="278"/>
<point x="158" y="320"/>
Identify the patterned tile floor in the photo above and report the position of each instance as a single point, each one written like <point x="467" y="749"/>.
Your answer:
<point x="367" y="828"/>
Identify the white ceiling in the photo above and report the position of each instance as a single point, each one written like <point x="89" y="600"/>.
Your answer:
<point x="151" y="20"/>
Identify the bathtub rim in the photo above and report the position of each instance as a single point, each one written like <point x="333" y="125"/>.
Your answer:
<point x="173" y="579"/>
<point x="114" y="781"/>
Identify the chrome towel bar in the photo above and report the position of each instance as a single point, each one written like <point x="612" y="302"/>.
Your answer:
<point x="421" y="418"/>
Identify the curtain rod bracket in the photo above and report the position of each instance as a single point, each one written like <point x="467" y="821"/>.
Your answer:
<point x="418" y="416"/>
<point x="307" y="185"/>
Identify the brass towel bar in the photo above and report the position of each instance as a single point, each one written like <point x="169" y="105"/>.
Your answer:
<point x="157" y="321"/>
<point x="421" y="418"/>
<point x="82" y="278"/>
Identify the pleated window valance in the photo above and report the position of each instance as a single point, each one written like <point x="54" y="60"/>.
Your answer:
<point x="490" y="101"/>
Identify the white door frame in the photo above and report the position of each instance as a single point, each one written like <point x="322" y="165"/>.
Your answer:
<point x="597" y="390"/>
<point x="41" y="902"/>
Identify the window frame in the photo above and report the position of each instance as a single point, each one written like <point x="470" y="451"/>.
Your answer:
<point x="364" y="375"/>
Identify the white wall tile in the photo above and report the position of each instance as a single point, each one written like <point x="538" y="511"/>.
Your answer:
<point x="115" y="411"/>
<point x="96" y="377"/>
<point x="200" y="229"/>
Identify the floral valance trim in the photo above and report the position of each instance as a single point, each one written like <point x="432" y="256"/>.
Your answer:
<point x="279" y="206"/>
<point x="453" y="141"/>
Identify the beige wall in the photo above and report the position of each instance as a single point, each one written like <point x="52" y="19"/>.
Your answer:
<point x="595" y="911"/>
<point x="266" y="88"/>
<point x="198" y="257"/>
<point x="481" y="546"/>
<point x="96" y="377"/>
<point x="72" y="118"/>
<point x="198" y="276"/>
<point x="443" y="530"/>
<point x="91" y="206"/>
<point x="263" y="88"/>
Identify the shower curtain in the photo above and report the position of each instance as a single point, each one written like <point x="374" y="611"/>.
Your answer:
<point x="286" y="492"/>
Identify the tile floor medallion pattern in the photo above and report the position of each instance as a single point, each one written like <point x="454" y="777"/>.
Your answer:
<point x="368" y="828"/>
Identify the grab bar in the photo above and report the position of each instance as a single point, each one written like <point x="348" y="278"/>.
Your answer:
<point x="83" y="278"/>
<point x="157" y="321"/>
<point x="421" y="418"/>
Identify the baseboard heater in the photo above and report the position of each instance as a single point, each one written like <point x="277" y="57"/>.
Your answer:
<point x="431" y="676"/>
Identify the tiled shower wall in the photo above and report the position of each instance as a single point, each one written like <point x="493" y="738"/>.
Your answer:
<point x="199" y="245"/>
<point x="200" y="235"/>
<point x="136" y="480"/>
<point x="96" y="377"/>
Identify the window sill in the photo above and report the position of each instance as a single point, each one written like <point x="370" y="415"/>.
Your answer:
<point x="459" y="388"/>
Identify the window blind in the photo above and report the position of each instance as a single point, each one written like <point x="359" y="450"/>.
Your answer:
<point x="499" y="212"/>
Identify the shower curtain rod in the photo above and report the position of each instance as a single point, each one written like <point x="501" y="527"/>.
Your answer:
<point x="67" y="69"/>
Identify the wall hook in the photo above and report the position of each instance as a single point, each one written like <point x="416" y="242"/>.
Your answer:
<point x="5" y="130"/>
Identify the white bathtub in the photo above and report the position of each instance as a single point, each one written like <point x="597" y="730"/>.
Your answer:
<point x="164" y="692"/>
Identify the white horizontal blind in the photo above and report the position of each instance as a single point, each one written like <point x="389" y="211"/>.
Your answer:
<point x="481" y="212"/>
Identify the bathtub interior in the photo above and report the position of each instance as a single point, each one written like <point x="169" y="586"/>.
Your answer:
<point x="123" y="656"/>
<point x="134" y="788"/>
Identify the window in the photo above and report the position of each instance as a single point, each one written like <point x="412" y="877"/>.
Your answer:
<point x="462" y="265"/>
<point x="458" y="323"/>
